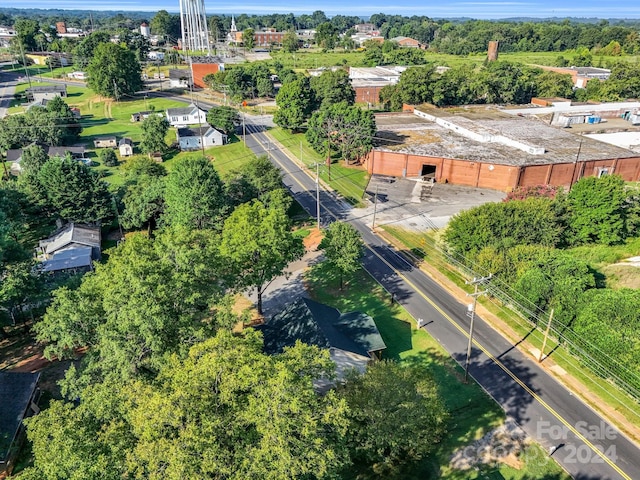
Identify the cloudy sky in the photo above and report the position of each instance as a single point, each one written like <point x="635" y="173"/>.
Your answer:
<point x="432" y="8"/>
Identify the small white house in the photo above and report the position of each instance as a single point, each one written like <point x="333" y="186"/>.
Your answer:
<point x="180" y="78"/>
<point x="193" y="138"/>
<point x="191" y="115"/>
<point x="125" y="146"/>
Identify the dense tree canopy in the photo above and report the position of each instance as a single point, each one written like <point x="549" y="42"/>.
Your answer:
<point x="258" y="244"/>
<point x="332" y="87"/>
<point x="114" y="71"/>
<point x="153" y="131"/>
<point x="223" y="118"/>
<point x="343" y="247"/>
<point x="75" y="192"/>
<point x="194" y="195"/>
<point x="339" y="127"/>
<point x="295" y="104"/>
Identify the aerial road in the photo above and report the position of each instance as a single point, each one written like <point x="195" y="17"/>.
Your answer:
<point x="578" y="438"/>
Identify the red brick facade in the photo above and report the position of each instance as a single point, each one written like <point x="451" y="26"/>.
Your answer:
<point x="497" y="177"/>
<point x="200" y="70"/>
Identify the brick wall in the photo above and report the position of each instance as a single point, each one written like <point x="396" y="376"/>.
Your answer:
<point x="497" y="177"/>
<point x="200" y="70"/>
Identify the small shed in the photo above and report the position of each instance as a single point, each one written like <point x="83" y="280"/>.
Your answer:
<point x="125" y="146"/>
<point x="105" y="142"/>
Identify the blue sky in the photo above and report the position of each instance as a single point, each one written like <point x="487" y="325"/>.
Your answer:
<point x="468" y="8"/>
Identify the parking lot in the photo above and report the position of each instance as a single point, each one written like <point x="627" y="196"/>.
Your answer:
<point x="418" y="205"/>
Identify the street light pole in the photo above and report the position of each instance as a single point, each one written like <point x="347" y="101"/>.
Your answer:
<point x="375" y="209"/>
<point x="472" y="313"/>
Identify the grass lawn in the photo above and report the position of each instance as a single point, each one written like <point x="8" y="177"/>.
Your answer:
<point x="473" y="412"/>
<point x="422" y="246"/>
<point x="350" y="182"/>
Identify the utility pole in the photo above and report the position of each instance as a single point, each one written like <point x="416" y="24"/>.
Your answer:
<point x="472" y="313"/>
<point x="546" y="335"/>
<point x="244" y="131"/>
<point x="24" y="63"/>
<point x="115" y="89"/>
<point x="375" y="209"/>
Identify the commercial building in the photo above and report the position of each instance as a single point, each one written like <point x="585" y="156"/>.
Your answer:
<point x="487" y="148"/>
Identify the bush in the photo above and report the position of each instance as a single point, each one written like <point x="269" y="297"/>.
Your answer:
<point x="108" y="157"/>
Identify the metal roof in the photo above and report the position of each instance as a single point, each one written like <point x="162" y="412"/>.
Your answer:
<point x="72" y="257"/>
<point x="72" y="233"/>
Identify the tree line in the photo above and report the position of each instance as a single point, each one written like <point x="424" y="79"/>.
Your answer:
<point x="544" y="273"/>
<point x="503" y="82"/>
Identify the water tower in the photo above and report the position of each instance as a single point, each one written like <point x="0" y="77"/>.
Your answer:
<point x="195" y="34"/>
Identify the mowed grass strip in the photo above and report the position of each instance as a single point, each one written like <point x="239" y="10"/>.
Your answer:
<point x="349" y="181"/>
<point x="473" y="412"/>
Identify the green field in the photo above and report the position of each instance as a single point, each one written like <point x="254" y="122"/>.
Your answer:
<point x="473" y="412"/>
<point x="349" y="181"/>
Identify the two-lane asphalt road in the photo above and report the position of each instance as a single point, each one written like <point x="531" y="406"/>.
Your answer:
<point x="581" y="441"/>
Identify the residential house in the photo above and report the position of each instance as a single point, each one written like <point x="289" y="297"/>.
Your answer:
<point x="180" y="78"/>
<point x="125" y="146"/>
<point x="105" y="142"/>
<point x="194" y="138"/>
<point x="353" y="340"/>
<point x="19" y="395"/>
<point x="182" y="116"/>
<point x="15" y="155"/>
<point x="36" y="94"/>
<point x="73" y="247"/>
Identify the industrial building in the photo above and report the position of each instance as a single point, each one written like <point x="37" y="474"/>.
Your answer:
<point x="487" y="148"/>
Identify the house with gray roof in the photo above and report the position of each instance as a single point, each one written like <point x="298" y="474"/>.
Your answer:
<point x="14" y="155"/>
<point x="73" y="247"/>
<point x="42" y="92"/>
<point x="183" y="116"/>
<point x="19" y="394"/>
<point x="195" y="138"/>
<point x="353" y="340"/>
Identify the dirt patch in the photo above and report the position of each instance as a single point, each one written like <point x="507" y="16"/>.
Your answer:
<point x="312" y="241"/>
<point x="503" y="445"/>
<point x="21" y="353"/>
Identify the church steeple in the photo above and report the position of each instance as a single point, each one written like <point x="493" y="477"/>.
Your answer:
<point x="233" y="24"/>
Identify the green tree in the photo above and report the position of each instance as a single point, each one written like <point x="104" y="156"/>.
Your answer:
<point x="137" y="165"/>
<point x="332" y="87"/>
<point x="596" y="210"/>
<point x="348" y="129"/>
<point x="165" y="25"/>
<point x="108" y="157"/>
<point x="75" y="192"/>
<point x="396" y="417"/>
<point x="343" y="247"/>
<point x="114" y="71"/>
<point x="83" y="52"/>
<point x="154" y="130"/>
<point x="151" y="298"/>
<point x="295" y="104"/>
<point x="255" y="179"/>
<point x="246" y="414"/>
<point x="223" y="118"/>
<point x="504" y="225"/>
<point x="226" y="410"/>
<point x="552" y="84"/>
<point x="194" y="195"/>
<point x="290" y="42"/>
<point x="326" y="36"/>
<point x="143" y="203"/>
<point x="33" y="159"/>
<point x="258" y="244"/>
<point x="26" y="31"/>
<point x="248" y="39"/>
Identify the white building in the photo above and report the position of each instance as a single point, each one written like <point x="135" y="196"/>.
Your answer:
<point x="194" y="138"/>
<point x="191" y="115"/>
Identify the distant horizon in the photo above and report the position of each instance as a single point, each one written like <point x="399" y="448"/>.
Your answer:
<point x="470" y="9"/>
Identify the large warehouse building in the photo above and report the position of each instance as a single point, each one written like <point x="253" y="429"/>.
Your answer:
<point x="484" y="147"/>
